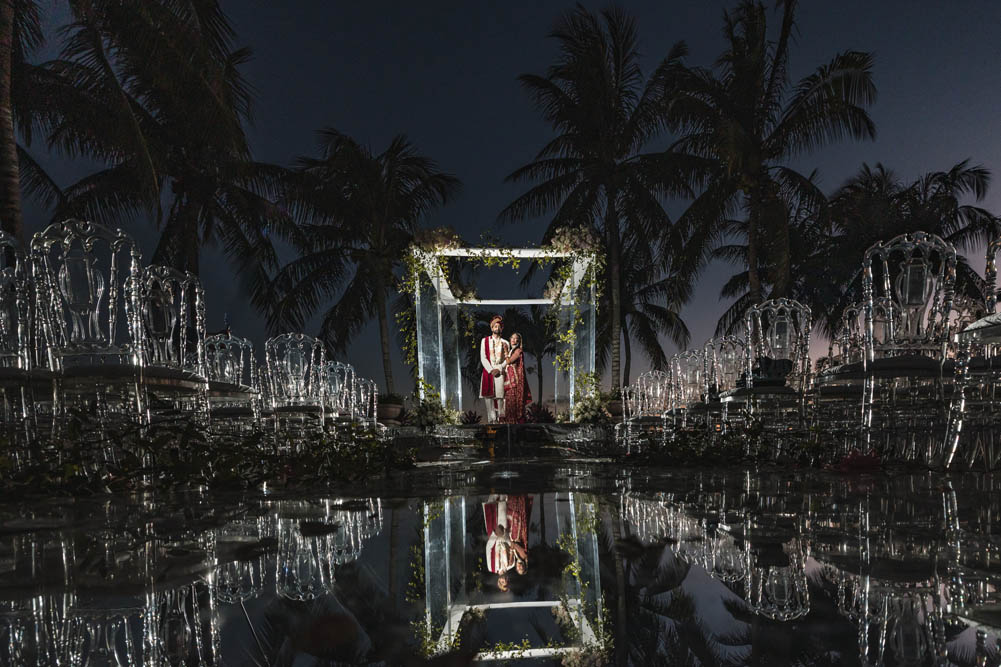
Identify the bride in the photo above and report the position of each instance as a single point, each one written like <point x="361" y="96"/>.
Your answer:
<point x="517" y="394"/>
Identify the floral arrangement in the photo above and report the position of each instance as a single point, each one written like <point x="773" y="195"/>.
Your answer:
<point x="590" y="405"/>
<point x="430" y="411"/>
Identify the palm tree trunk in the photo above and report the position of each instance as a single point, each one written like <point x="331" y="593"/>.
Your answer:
<point x="394" y="529"/>
<point x="387" y="362"/>
<point x="538" y="371"/>
<point x="614" y="259"/>
<point x="779" y="216"/>
<point x="10" y="181"/>
<point x="753" y="279"/>
<point x="610" y="518"/>
<point x="628" y="348"/>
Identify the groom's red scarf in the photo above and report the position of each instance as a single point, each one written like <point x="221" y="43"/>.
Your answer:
<point x="487" y="380"/>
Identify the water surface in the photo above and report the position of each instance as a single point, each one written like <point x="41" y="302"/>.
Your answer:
<point x="533" y="563"/>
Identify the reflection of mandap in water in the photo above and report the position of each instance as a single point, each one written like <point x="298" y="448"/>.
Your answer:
<point x="541" y="607"/>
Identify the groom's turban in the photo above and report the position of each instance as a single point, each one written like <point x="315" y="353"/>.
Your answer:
<point x="496" y="318"/>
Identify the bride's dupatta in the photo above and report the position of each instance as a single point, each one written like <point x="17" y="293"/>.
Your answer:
<point x="517" y="394"/>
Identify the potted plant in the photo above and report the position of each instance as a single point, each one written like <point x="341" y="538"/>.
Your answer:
<point x="390" y="407"/>
<point x="613" y="403"/>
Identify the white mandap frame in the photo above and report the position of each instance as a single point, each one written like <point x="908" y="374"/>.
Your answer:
<point x="439" y="340"/>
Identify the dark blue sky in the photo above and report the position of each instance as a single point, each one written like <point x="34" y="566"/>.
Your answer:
<point x="445" y="75"/>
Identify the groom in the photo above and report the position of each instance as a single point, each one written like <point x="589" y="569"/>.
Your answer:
<point x="494" y="351"/>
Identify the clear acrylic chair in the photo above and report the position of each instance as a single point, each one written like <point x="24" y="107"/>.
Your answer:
<point x="777" y="369"/>
<point x="174" y="374"/>
<point x="294" y="364"/>
<point x="18" y="381"/>
<point x="903" y="406"/>
<point x="973" y="436"/>
<point x="234" y="393"/>
<point x="688" y="386"/>
<point x="88" y="304"/>
<point x="724" y="362"/>
<point x="341" y="392"/>
<point x="839" y="382"/>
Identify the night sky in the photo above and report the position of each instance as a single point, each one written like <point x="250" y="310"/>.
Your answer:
<point x="445" y="75"/>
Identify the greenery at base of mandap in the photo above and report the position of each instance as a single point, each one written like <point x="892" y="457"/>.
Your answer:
<point x="89" y="460"/>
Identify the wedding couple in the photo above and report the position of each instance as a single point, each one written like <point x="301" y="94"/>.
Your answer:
<point x="506" y="519"/>
<point x="503" y="384"/>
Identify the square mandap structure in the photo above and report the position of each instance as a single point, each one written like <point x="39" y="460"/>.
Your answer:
<point x="439" y="338"/>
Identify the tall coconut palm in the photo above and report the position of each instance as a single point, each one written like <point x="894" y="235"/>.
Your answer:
<point x="875" y="204"/>
<point x="358" y="212"/>
<point x="651" y="297"/>
<point x="20" y="35"/>
<point x="594" y="172"/>
<point x="746" y="116"/>
<point x="153" y="92"/>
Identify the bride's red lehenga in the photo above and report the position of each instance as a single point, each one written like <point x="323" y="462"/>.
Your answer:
<point x="517" y="394"/>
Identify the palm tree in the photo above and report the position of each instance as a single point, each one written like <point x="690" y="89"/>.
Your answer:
<point x="20" y="35"/>
<point x="651" y="296"/>
<point x="153" y="91"/>
<point x="358" y="212"/>
<point x="746" y="118"/>
<point x="593" y="173"/>
<point x="875" y="204"/>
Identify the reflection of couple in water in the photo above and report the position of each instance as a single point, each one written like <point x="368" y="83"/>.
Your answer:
<point x="506" y="518"/>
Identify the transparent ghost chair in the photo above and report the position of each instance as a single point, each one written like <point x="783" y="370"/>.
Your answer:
<point x="294" y="363"/>
<point x="233" y="387"/>
<point x="35" y="583"/>
<point x="342" y="392"/>
<point x="304" y="565"/>
<point x="88" y="303"/>
<point x="903" y="406"/>
<point x="174" y="375"/>
<point x="651" y="404"/>
<point x="17" y="380"/>
<point x="239" y="548"/>
<point x="367" y="402"/>
<point x="724" y="360"/>
<point x="775" y="582"/>
<point x="777" y="366"/>
<point x="838" y="386"/>
<point x="975" y="409"/>
<point x="688" y="386"/>
<point x="185" y="625"/>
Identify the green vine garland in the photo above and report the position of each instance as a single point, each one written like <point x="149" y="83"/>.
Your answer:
<point x="567" y="245"/>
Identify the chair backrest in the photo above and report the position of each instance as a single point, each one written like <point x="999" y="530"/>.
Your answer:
<point x="779" y="329"/>
<point x="15" y="305"/>
<point x="87" y="281"/>
<point x="230" y="359"/>
<point x="294" y="363"/>
<point x="651" y="394"/>
<point x="991" y="275"/>
<point x="688" y="377"/>
<point x="917" y="274"/>
<point x="173" y="313"/>
<point x="340" y="379"/>
<point x="724" y="362"/>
